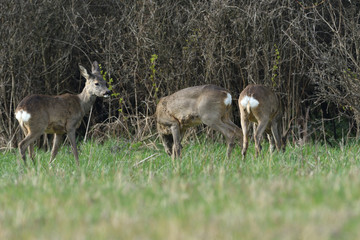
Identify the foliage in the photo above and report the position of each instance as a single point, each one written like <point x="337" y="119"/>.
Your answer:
<point x="275" y="67"/>
<point x="110" y="81"/>
<point x="153" y="73"/>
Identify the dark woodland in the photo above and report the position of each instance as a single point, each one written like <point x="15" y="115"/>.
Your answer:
<point x="307" y="51"/>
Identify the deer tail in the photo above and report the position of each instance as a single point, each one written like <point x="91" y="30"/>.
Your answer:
<point x="228" y="99"/>
<point x="22" y="116"/>
<point x="249" y="102"/>
<point x="248" y="107"/>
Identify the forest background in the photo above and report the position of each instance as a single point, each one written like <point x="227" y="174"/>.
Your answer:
<point x="307" y="51"/>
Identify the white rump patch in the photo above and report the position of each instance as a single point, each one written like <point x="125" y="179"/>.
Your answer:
<point x="249" y="101"/>
<point x="253" y="102"/>
<point x="228" y="99"/>
<point x="244" y="101"/>
<point x="22" y="116"/>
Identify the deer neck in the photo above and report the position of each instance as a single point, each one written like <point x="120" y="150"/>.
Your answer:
<point x="86" y="100"/>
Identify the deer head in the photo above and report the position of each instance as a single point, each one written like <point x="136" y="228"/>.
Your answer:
<point x="95" y="84"/>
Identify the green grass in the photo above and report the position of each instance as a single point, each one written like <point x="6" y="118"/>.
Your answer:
<point x="312" y="192"/>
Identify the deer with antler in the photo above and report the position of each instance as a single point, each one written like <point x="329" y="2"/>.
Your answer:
<point x="58" y="115"/>
<point x="208" y="104"/>
<point x="259" y="104"/>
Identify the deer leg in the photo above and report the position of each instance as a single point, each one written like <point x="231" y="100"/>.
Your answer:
<point x="25" y="143"/>
<point x="229" y="132"/>
<point x="72" y="139"/>
<point x="31" y="152"/>
<point x="235" y="129"/>
<point x="56" y="143"/>
<point x="254" y="126"/>
<point x="46" y="142"/>
<point x="217" y="124"/>
<point x="226" y="130"/>
<point x="182" y="133"/>
<point x="276" y="133"/>
<point x="271" y="142"/>
<point x="230" y="143"/>
<point x="167" y="142"/>
<point x="176" y="151"/>
<point x="237" y="133"/>
<point x="258" y="135"/>
<point x="245" y="130"/>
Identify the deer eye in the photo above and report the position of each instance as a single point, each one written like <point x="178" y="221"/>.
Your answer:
<point x="97" y="84"/>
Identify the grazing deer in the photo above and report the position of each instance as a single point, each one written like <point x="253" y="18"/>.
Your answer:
<point x="260" y="105"/>
<point x="192" y="106"/>
<point x="39" y="114"/>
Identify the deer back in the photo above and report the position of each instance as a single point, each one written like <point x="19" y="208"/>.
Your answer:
<point x="188" y="105"/>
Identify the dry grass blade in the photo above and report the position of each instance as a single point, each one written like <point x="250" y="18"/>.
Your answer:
<point x="145" y="159"/>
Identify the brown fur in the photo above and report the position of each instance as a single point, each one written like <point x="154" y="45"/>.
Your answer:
<point x="190" y="107"/>
<point x="60" y="114"/>
<point x="267" y="115"/>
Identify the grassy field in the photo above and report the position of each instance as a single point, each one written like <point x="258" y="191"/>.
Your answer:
<point x="311" y="192"/>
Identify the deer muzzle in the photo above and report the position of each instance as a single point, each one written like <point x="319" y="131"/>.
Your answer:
<point x="107" y="94"/>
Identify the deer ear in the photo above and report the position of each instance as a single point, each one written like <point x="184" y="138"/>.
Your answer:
<point x="95" y="67"/>
<point x="84" y="72"/>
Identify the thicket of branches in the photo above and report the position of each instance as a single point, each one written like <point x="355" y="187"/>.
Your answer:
<point x="308" y="53"/>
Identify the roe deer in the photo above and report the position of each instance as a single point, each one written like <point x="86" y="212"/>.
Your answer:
<point x="39" y="114"/>
<point x="192" y="106"/>
<point x="260" y="105"/>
